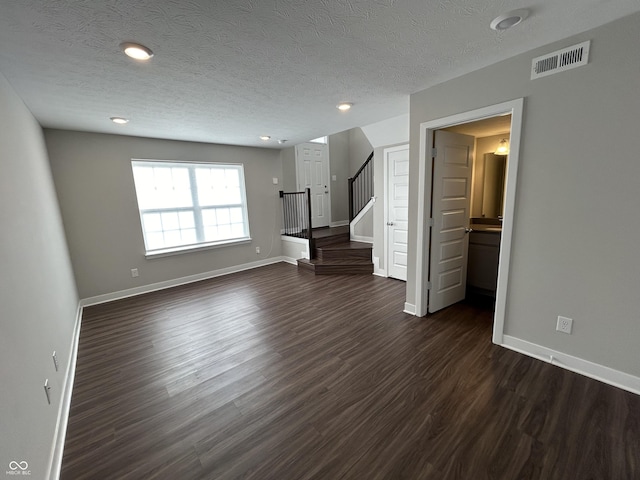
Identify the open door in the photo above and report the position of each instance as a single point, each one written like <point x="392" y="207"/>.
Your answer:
<point x="451" y="197"/>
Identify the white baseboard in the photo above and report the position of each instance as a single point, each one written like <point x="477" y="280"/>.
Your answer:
<point x="340" y="223"/>
<point x="55" y="463"/>
<point x="290" y="260"/>
<point x="131" y="292"/>
<point x="380" y="272"/>
<point x="359" y="238"/>
<point x="409" y="308"/>
<point x="301" y="241"/>
<point x="589" y="369"/>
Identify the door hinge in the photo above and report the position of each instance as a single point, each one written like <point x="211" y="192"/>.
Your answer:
<point x="434" y="152"/>
<point x="428" y="285"/>
<point x="430" y="222"/>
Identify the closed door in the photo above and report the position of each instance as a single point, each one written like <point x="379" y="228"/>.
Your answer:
<point x="397" y="173"/>
<point x="450" y="203"/>
<point x="312" y="165"/>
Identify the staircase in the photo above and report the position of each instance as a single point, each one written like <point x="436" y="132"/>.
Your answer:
<point x="334" y="253"/>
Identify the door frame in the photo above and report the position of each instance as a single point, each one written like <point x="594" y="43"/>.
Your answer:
<point x="325" y="147"/>
<point x="385" y="156"/>
<point x="427" y="129"/>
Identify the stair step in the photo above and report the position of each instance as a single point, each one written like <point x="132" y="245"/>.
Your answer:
<point x="331" y="240"/>
<point x="334" y="253"/>
<point x="346" y="250"/>
<point x="344" y="267"/>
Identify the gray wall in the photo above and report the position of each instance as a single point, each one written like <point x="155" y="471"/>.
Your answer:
<point x="359" y="149"/>
<point x="38" y="299"/>
<point x="339" y="159"/>
<point x="348" y="150"/>
<point x="577" y="221"/>
<point x="288" y="159"/>
<point x="93" y="177"/>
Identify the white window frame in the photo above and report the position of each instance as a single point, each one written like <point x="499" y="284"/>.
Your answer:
<point x="195" y="208"/>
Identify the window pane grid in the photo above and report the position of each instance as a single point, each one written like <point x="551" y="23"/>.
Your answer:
<point x="190" y="204"/>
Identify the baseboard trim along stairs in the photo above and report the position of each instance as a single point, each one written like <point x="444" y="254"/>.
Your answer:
<point x="335" y="254"/>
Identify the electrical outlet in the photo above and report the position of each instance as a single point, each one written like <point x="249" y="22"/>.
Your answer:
<point x="564" y="324"/>
<point x="257" y="249"/>
<point x="55" y="360"/>
<point x="134" y="272"/>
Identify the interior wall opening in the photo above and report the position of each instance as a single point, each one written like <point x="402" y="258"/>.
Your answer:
<point x="426" y="284"/>
<point x="486" y="207"/>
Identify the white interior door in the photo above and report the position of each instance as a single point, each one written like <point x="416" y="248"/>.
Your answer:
<point x="397" y="214"/>
<point x="451" y="195"/>
<point x="312" y="165"/>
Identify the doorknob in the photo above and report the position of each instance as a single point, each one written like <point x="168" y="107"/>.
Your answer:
<point x="390" y="224"/>
<point x="468" y="230"/>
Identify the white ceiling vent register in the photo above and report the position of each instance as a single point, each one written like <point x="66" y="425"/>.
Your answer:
<point x="561" y="60"/>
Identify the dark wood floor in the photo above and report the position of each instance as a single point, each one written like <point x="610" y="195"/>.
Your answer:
<point x="274" y="373"/>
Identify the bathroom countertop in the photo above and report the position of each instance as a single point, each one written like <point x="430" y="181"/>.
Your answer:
<point x="486" y="228"/>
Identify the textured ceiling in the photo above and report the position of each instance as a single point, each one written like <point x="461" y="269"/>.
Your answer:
<point x="229" y="71"/>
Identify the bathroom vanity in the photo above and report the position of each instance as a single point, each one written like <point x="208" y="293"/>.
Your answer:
<point x="484" y="252"/>
<point x="486" y="224"/>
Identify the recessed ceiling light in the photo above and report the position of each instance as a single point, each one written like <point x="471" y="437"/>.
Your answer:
<point x="264" y="138"/>
<point x="344" y="106"/>
<point x="282" y="141"/>
<point x="136" y="51"/>
<point x="509" y="19"/>
<point x="119" y="120"/>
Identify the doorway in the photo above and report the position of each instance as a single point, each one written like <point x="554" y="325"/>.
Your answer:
<point x="396" y="212"/>
<point x="312" y="171"/>
<point x="425" y="248"/>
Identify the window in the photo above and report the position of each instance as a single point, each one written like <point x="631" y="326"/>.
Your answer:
<point x="189" y="205"/>
<point x="322" y="140"/>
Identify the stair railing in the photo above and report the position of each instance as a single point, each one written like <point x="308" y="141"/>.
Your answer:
<point x="296" y="209"/>
<point x="361" y="188"/>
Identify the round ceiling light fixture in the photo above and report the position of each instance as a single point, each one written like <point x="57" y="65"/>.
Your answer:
<point x="136" y="51"/>
<point x="509" y="19"/>
<point x="344" y="106"/>
<point x="119" y="120"/>
<point x="264" y="138"/>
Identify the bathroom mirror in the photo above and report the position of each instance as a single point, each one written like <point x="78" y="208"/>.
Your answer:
<point x="495" y="167"/>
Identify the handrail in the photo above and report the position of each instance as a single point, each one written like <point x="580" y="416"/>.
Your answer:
<point x="362" y="167"/>
<point x="361" y="188"/>
<point x="296" y="210"/>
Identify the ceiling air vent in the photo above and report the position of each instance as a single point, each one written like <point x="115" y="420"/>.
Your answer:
<point x="561" y="60"/>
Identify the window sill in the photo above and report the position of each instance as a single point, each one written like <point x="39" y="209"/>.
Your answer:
<point x="166" y="252"/>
